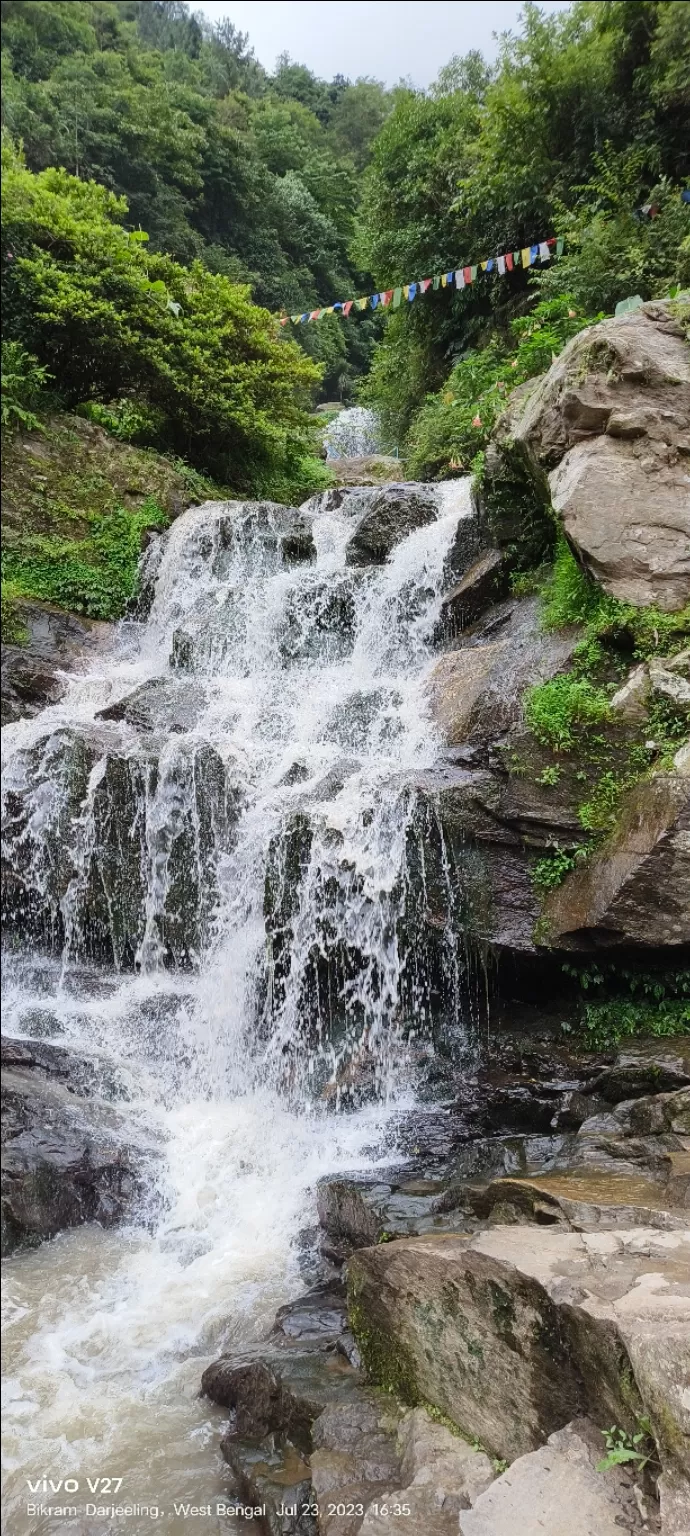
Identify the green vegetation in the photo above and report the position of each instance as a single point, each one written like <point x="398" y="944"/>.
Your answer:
<point x="581" y="123"/>
<point x="76" y="504"/>
<point x="453" y="427"/>
<point x="622" y="1447"/>
<point x="254" y="176"/>
<point x="23" y="382"/>
<point x="556" y="711"/>
<point x="631" y="1002"/>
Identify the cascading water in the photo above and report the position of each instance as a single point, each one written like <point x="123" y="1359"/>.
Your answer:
<point x="210" y="830"/>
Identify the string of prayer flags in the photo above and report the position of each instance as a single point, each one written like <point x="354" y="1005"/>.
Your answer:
<point x="462" y="277"/>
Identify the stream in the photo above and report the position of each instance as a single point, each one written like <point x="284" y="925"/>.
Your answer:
<point x="210" y="832"/>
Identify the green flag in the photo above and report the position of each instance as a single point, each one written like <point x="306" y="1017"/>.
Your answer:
<point x="397" y="297"/>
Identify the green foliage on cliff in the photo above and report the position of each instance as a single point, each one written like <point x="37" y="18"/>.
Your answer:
<point x="627" y="1002"/>
<point x="581" y="124"/>
<point x="454" y="426"/>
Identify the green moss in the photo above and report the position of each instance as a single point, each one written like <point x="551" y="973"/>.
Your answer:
<point x="14" y="631"/>
<point x="385" y="1360"/>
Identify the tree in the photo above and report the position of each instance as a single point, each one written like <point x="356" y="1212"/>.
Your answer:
<point x="108" y="319"/>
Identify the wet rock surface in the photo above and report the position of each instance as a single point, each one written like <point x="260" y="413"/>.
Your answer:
<point x="68" y="1156"/>
<point x="34" y="674"/>
<point x="391" y="514"/>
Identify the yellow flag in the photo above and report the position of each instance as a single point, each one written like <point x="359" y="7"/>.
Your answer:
<point x="483" y="266"/>
<point x="525" y="255"/>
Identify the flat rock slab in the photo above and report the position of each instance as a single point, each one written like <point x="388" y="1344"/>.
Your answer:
<point x="517" y="1330"/>
<point x="557" y="1491"/>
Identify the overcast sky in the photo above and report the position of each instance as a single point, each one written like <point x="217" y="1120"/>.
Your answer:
<point x="387" y="39"/>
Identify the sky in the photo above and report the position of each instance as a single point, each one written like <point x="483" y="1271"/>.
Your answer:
<point x="387" y="39"/>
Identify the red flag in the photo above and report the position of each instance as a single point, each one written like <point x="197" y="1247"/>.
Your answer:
<point x="509" y="260"/>
<point x="467" y="274"/>
<point x="387" y="296"/>
<point x="348" y="306"/>
<point x="284" y="320"/>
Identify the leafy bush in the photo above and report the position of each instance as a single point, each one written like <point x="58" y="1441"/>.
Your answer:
<point x="454" y="425"/>
<point x="112" y="321"/>
<point x="23" y="380"/>
<point x="96" y="575"/>
<point x="556" y="711"/>
<point x="605" y="1024"/>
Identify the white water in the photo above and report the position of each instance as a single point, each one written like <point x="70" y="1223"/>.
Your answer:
<point x="353" y="433"/>
<point x="235" y="1069"/>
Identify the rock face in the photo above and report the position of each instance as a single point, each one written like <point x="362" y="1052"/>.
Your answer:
<point x="610" y="425"/>
<point x="477" y="687"/>
<point x="558" y="1490"/>
<point x="56" y="643"/>
<point x="127" y="850"/>
<point x="513" y="1336"/>
<point x="66" y="1158"/>
<point x="637" y="890"/>
<point x="390" y="516"/>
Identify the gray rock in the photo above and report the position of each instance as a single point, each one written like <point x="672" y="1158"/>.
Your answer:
<point x="66" y="1158"/>
<point x="483" y="583"/>
<point x="56" y="643"/>
<point x="477" y="689"/>
<point x="558" y="1490"/>
<point x="391" y="514"/>
<point x="637" y="889"/>
<point x="516" y="1330"/>
<point x="610" y="421"/>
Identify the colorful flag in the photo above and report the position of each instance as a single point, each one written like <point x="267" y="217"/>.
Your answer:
<point x="425" y="283"/>
<point x="449" y="277"/>
<point x="295" y="319"/>
<point x="375" y="300"/>
<point x="484" y="265"/>
<point x="489" y="265"/>
<point x="348" y="306"/>
<point x="544" y="252"/>
<point x="459" y="278"/>
<point x="559" y="246"/>
<point x="509" y="261"/>
<point x="473" y="274"/>
<point x="315" y="314"/>
<point x="411" y="291"/>
<point x="397" y="295"/>
<point x="284" y="320"/>
<point x="467" y="274"/>
<point x="437" y="284"/>
<point x="526" y="256"/>
<point x="501" y="264"/>
<point x="361" y="303"/>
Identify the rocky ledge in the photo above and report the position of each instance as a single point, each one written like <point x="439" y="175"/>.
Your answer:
<point x="68" y="1156"/>
<point x="488" y="1310"/>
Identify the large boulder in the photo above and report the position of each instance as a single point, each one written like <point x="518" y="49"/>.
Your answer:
<point x="636" y="890"/>
<point x="390" y="515"/>
<point x="517" y="1330"/>
<point x="558" y="1490"/>
<point x="610" y="426"/>
<point x="68" y="1156"/>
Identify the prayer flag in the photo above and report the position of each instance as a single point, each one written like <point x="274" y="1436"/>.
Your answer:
<point x="516" y="258"/>
<point x="501" y="264"/>
<point x="375" y="299"/>
<point x="437" y="284"/>
<point x="348" y="306"/>
<point x="361" y="303"/>
<point x="459" y="278"/>
<point x="509" y="261"/>
<point x="526" y="255"/>
<point x="387" y="296"/>
<point x="544" y="252"/>
<point x="449" y="277"/>
<point x="411" y="291"/>
<point x="397" y="295"/>
<point x="559" y="246"/>
<point x="284" y="320"/>
<point x="473" y="273"/>
<point x="533" y="253"/>
<point x="444" y="280"/>
<point x="484" y="265"/>
<point x="467" y="274"/>
<point x="295" y="319"/>
<point x="490" y="264"/>
<point x="425" y="283"/>
<point x="304" y="317"/>
<point x="315" y="314"/>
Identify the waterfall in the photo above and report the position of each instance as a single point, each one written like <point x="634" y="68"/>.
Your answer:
<point x="206" y="845"/>
<point x="353" y="433"/>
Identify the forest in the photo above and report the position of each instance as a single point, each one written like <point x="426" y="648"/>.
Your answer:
<point x="165" y="199"/>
